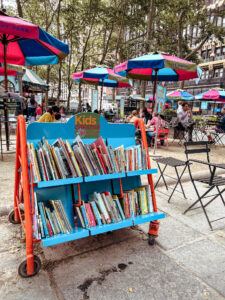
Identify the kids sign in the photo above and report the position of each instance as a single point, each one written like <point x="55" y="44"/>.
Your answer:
<point x="87" y="125"/>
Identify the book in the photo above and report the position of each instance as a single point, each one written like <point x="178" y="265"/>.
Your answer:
<point x="96" y="213"/>
<point x="90" y="215"/>
<point x="43" y="219"/>
<point x="115" y="198"/>
<point x="84" y="214"/>
<point x="80" y="217"/>
<point x="101" y="206"/>
<point x="50" y="219"/>
<point x="79" y="174"/>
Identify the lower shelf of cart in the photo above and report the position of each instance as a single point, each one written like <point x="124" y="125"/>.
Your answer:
<point x="148" y="218"/>
<point x="110" y="227"/>
<point x="77" y="233"/>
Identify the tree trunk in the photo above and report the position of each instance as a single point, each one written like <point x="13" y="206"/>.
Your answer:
<point x="151" y="13"/>
<point x="180" y="40"/>
<point x="59" y="84"/>
<point x="143" y="88"/>
<point x="19" y="8"/>
<point x="60" y="64"/>
<point x="79" y="95"/>
<point x="47" y="81"/>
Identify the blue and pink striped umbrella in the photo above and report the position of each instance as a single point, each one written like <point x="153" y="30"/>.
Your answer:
<point x="216" y="94"/>
<point x="158" y="66"/>
<point x="101" y="76"/>
<point x="23" y="43"/>
<point x="180" y="95"/>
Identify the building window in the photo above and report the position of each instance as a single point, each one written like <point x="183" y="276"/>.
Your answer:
<point x="209" y="53"/>
<point x="204" y="54"/>
<point x="223" y="51"/>
<point x="219" y="21"/>
<point x="206" y="74"/>
<point x="221" y="72"/>
<point x="218" y="51"/>
<point x="223" y="22"/>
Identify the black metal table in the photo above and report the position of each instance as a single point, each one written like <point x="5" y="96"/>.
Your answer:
<point x="175" y="163"/>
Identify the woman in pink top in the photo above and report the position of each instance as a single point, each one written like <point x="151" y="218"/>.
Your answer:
<point x="38" y="111"/>
<point x="153" y="125"/>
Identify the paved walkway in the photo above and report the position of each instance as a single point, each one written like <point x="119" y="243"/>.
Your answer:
<point x="188" y="261"/>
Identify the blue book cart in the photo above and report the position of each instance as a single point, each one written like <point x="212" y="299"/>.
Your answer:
<point x="71" y="190"/>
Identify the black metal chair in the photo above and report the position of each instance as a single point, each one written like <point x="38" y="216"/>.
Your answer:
<point x="212" y="179"/>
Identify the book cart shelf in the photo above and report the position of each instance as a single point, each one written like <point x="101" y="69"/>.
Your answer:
<point x="72" y="190"/>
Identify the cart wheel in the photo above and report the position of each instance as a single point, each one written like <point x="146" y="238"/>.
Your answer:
<point x="151" y="239"/>
<point x="23" y="267"/>
<point x="11" y="216"/>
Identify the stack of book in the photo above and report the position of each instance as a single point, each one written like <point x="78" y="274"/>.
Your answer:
<point x="62" y="160"/>
<point x="104" y="208"/>
<point x="52" y="221"/>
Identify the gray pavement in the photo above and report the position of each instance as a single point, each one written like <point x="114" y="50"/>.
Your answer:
<point x="187" y="262"/>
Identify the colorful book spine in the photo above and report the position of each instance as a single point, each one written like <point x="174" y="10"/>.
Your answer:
<point x="102" y="207"/>
<point x="96" y="212"/>
<point x="64" y="215"/>
<point x="50" y="219"/>
<point x="119" y="207"/>
<point x="41" y="227"/>
<point x="58" y="216"/>
<point x="90" y="214"/>
<point x="58" y="222"/>
<point x="85" y="216"/>
<point x="80" y="217"/>
<point x="51" y="233"/>
<point x="43" y="219"/>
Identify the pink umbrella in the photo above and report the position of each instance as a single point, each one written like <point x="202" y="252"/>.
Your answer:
<point x="24" y="43"/>
<point x="101" y="76"/>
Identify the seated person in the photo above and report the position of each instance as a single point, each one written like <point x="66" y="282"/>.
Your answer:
<point x="184" y="117"/>
<point x="132" y="117"/>
<point x="151" y="128"/>
<point x="58" y="118"/>
<point x="220" y="127"/>
<point x="145" y="115"/>
<point x="179" y="108"/>
<point x="49" y="116"/>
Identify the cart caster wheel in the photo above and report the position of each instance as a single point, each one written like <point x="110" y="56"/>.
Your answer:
<point x="23" y="267"/>
<point x="151" y="240"/>
<point x="11" y="216"/>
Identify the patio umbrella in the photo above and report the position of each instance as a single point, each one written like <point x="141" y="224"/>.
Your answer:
<point x="24" y="43"/>
<point x="12" y="70"/>
<point x="180" y="95"/>
<point x="216" y="94"/>
<point x="158" y="67"/>
<point x="101" y="76"/>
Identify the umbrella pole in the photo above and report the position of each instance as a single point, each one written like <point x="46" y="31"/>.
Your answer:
<point x="5" y="44"/>
<point x="154" y="89"/>
<point x="153" y="104"/>
<point x="101" y="96"/>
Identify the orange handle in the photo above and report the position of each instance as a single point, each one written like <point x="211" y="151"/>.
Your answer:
<point x="32" y="187"/>
<point x="140" y="123"/>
